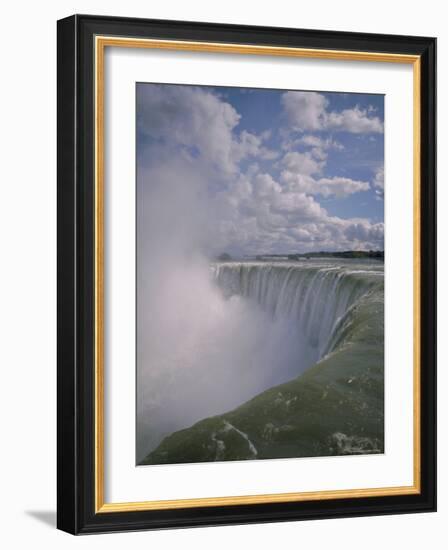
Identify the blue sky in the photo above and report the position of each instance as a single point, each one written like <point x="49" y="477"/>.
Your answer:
<point x="277" y="171"/>
<point x="362" y="154"/>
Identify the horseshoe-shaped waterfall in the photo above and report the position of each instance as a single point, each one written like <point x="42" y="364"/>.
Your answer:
<point x="316" y="392"/>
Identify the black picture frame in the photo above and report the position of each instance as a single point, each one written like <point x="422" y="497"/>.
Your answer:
<point x="76" y="512"/>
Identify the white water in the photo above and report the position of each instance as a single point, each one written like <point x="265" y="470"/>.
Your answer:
<point x="216" y="336"/>
<point x="312" y="295"/>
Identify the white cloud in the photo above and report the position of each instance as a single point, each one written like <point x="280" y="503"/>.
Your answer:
<point x="298" y="174"/>
<point x="316" y="146"/>
<point x="189" y="117"/>
<point x="305" y="110"/>
<point x="378" y="183"/>
<point x="276" y="219"/>
<point x="303" y="207"/>
<point x="310" y="140"/>
<point x="379" y="178"/>
<point x="201" y="123"/>
<point x="265" y="186"/>
<point x="251" y="145"/>
<point x="362" y="231"/>
<point x="339" y="187"/>
<point x="301" y="163"/>
<point x="354" y="120"/>
<point x="193" y="165"/>
<point x="309" y="111"/>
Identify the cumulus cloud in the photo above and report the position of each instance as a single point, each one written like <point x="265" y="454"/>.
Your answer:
<point x="199" y="124"/>
<point x="354" y="120"/>
<point x="302" y="163"/>
<point x="309" y="111"/>
<point x="311" y="140"/>
<point x="251" y="145"/>
<point x="203" y="172"/>
<point x="189" y="117"/>
<point x="305" y="110"/>
<point x="272" y="218"/>
<point x="298" y="174"/>
<point x="338" y="187"/>
<point x="265" y="186"/>
<point x="301" y="206"/>
<point x="361" y="231"/>
<point x="378" y="183"/>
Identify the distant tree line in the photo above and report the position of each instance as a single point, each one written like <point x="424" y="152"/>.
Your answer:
<point x="375" y="254"/>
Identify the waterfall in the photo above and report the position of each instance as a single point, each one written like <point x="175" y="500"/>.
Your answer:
<point x="315" y="297"/>
<point x="312" y="367"/>
<point x="216" y="335"/>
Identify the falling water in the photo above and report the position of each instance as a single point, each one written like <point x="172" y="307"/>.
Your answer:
<point x="225" y="334"/>
<point x="314" y="296"/>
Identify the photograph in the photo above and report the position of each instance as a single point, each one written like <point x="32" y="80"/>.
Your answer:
<point x="259" y="273"/>
<point x="221" y="310"/>
<point x="246" y="274"/>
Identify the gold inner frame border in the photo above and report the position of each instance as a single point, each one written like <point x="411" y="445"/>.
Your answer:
<point x="100" y="44"/>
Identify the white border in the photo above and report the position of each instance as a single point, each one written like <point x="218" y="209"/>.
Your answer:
<point x="123" y="481"/>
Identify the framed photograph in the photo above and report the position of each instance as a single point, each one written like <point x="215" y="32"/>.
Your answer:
<point x="246" y="274"/>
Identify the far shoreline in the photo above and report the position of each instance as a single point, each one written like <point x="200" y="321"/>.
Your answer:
<point x="346" y="254"/>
